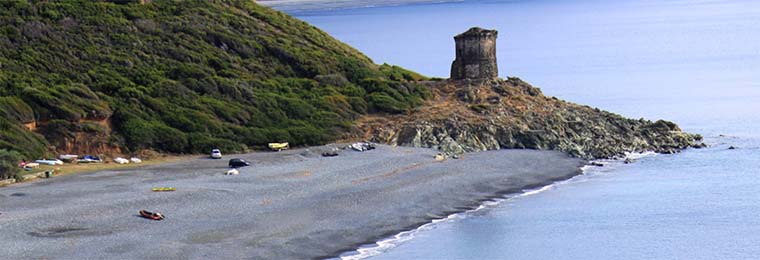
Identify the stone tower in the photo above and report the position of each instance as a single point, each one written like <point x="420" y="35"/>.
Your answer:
<point x="476" y="55"/>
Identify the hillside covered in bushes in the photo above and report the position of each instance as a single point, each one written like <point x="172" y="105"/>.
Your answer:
<point x="180" y="77"/>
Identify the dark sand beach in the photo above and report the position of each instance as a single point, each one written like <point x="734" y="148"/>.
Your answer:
<point x="290" y="205"/>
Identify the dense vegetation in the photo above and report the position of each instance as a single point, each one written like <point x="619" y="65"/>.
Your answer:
<point x="8" y="168"/>
<point x="182" y="76"/>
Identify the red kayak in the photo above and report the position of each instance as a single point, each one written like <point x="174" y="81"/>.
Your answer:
<point x="151" y="215"/>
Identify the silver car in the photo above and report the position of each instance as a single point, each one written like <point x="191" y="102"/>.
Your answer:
<point x="216" y="154"/>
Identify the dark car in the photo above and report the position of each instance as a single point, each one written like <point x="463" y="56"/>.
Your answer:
<point x="237" y="163"/>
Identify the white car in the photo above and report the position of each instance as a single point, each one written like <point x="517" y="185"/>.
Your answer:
<point x="216" y="154"/>
<point x="120" y="160"/>
<point x="135" y="160"/>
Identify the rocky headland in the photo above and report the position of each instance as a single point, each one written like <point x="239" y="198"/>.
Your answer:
<point x="476" y="111"/>
<point x="477" y="115"/>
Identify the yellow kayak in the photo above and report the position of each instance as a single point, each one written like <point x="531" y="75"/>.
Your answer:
<point x="164" y="189"/>
<point x="278" y="146"/>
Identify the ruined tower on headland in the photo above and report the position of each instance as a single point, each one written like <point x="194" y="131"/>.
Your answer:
<point x="475" y="55"/>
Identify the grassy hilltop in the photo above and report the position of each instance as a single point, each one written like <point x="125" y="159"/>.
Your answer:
<point x="180" y="76"/>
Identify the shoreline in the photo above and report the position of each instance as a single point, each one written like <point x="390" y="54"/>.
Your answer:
<point x="378" y="247"/>
<point x="481" y="203"/>
<point x="292" y="204"/>
<point x="355" y="253"/>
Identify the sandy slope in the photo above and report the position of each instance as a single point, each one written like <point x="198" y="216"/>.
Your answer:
<point x="290" y="205"/>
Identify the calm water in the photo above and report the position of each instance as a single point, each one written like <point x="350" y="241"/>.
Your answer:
<point x="696" y="62"/>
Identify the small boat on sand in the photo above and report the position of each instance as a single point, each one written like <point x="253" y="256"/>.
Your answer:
<point x="151" y="215"/>
<point x="120" y="160"/>
<point x="362" y="146"/>
<point x="159" y="189"/>
<point x="278" y="146"/>
<point x="330" y="154"/>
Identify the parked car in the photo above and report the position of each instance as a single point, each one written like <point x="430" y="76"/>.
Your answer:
<point x="120" y="160"/>
<point x="135" y="160"/>
<point x="216" y="154"/>
<point x="237" y="163"/>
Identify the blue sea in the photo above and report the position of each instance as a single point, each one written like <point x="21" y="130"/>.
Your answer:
<point x="694" y="62"/>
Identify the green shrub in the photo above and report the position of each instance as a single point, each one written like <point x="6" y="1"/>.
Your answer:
<point x="16" y="110"/>
<point x="8" y="167"/>
<point x="138" y="133"/>
<point x="169" y="139"/>
<point x="14" y="137"/>
<point x="202" y="143"/>
<point x="381" y="102"/>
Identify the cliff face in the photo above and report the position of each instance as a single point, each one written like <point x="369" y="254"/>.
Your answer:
<point x="466" y="116"/>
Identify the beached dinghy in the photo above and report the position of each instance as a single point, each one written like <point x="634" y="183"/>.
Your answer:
<point x="160" y="189"/>
<point x="362" y="146"/>
<point x="51" y="162"/>
<point x="120" y="160"/>
<point x="278" y="146"/>
<point x="330" y="154"/>
<point x="151" y="215"/>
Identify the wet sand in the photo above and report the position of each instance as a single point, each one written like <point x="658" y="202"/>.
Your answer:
<point x="290" y="205"/>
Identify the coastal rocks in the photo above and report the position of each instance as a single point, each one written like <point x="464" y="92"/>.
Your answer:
<point x="449" y="137"/>
<point x="83" y="136"/>
<point x="7" y="182"/>
<point x="515" y="115"/>
<point x="29" y="177"/>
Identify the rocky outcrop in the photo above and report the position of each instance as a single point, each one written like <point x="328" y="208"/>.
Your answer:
<point x="470" y="116"/>
<point x="7" y="182"/>
<point x="84" y="136"/>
